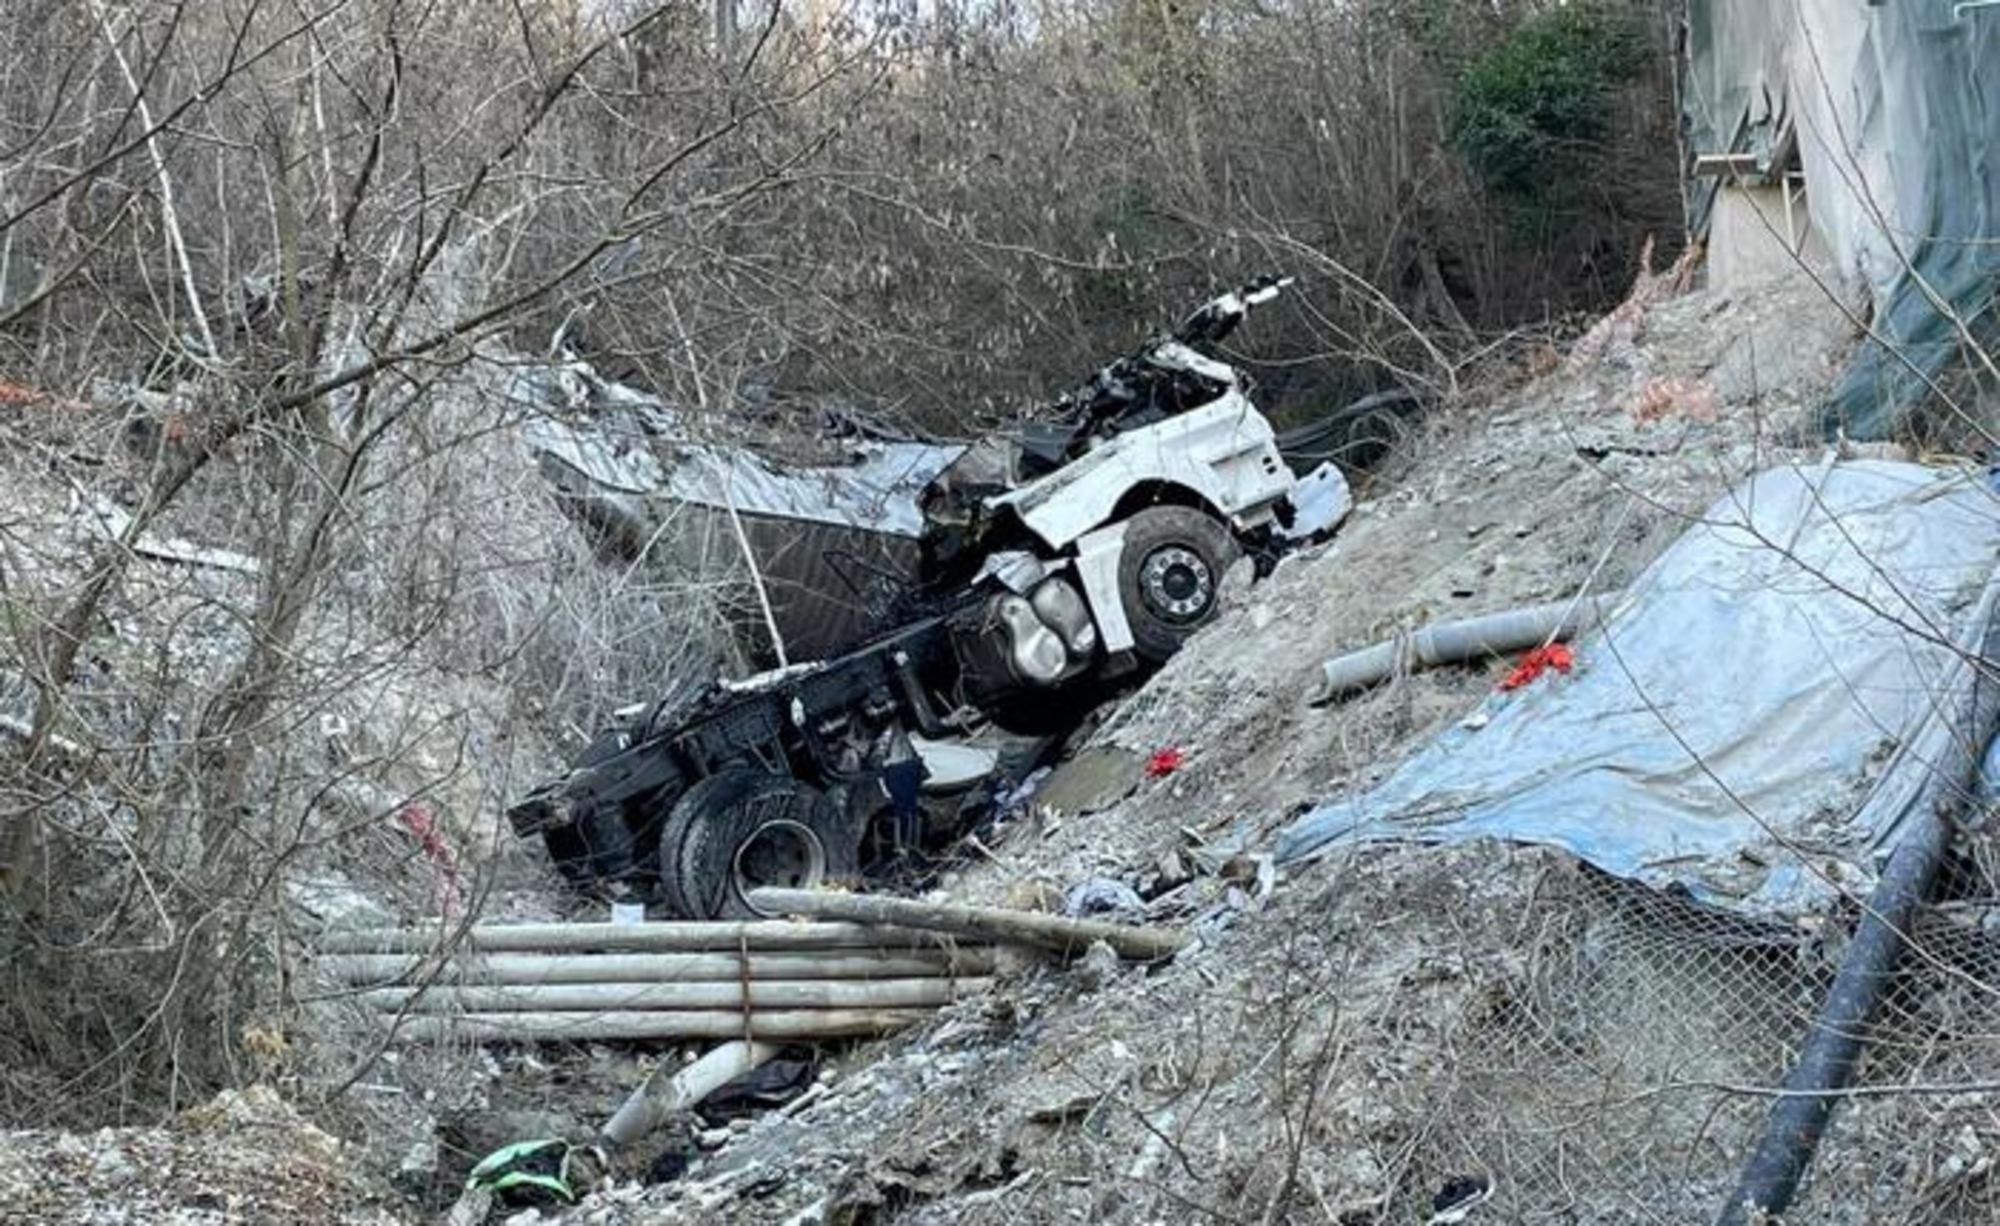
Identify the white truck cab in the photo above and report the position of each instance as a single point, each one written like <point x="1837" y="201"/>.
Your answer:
<point x="1109" y="537"/>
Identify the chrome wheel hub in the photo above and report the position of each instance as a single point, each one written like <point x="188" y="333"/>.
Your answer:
<point x="1176" y="584"/>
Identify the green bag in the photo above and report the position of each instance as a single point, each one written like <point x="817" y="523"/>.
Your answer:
<point x="530" y="1173"/>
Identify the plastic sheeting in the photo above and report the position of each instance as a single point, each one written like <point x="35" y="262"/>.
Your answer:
<point x="1942" y="64"/>
<point x="1726" y="731"/>
<point x="1896" y="113"/>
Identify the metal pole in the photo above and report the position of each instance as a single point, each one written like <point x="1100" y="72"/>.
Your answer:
<point x="1952" y="757"/>
<point x="1469" y="638"/>
<point x="664" y="1092"/>
<point x="1833" y="1049"/>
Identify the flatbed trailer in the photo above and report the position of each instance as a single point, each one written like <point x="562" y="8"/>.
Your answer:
<point x="803" y="747"/>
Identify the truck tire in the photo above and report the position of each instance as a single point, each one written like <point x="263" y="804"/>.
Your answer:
<point x="741" y="829"/>
<point x="1170" y="576"/>
<point x="715" y="794"/>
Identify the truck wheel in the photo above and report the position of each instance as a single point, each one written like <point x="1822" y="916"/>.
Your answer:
<point x="753" y="829"/>
<point x="1170" y="576"/>
<point x="714" y="794"/>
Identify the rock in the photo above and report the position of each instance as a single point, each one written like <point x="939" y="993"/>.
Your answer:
<point x="1098" y="967"/>
<point x="111" y="1167"/>
<point x="418" y="1168"/>
<point x="472" y="1209"/>
<point x="1170" y="870"/>
<point x="1094" y="780"/>
<point x="1033" y="895"/>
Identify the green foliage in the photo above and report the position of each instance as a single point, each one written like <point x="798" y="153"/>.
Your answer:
<point x="1533" y="108"/>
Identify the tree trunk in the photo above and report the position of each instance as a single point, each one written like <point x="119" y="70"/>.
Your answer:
<point x="1054" y="932"/>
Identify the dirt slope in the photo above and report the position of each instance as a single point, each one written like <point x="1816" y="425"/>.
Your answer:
<point x="245" y="1157"/>
<point x="1312" y="1061"/>
<point x="1365" y="1039"/>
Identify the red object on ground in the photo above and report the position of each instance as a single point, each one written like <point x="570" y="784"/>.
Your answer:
<point x="417" y="818"/>
<point x="1165" y="762"/>
<point x="1555" y="656"/>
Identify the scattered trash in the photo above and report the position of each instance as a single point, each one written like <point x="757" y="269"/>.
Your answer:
<point x="527" y="1174"/>
<point x="761" y="1089"/>
<point x="1012" y="802"/>
<point x="1460" y="1195"/>
<point x="1211" y="855"/>
<point x="1104" y="896"/>
<point x="1555" y="657"/>
<point x="1212" y="923"/>
<point x="1165" y="762"/>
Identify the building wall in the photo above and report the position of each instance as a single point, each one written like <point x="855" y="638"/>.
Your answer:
<point x="1891" y="112"/>
<point x="1754" y="237"/>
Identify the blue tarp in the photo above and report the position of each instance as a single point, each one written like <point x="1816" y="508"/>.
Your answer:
<point x="1894" y="110"/>
<point x="1727" y="729"/>
<point x="1949" y="243"/>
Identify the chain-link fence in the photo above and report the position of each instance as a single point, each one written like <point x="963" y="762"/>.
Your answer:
<point x="1625" y="1071"/>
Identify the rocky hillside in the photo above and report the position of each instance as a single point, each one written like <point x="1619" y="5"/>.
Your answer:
<point x="1394" y="1034"/>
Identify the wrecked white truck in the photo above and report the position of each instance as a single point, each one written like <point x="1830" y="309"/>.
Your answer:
<point x="1083" y="549"/>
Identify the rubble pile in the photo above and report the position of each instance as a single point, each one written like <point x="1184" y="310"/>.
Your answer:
<point x="242" y="1157"/>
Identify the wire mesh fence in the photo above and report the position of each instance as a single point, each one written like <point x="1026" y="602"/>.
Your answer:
<point x="1915" y="1141"/>
<point x="1624" y="1071"/>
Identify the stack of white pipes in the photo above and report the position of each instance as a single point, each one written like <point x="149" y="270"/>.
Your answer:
<point x="748" y="980"/>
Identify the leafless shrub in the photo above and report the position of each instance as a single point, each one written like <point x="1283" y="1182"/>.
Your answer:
<point x="263" y="267"/>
